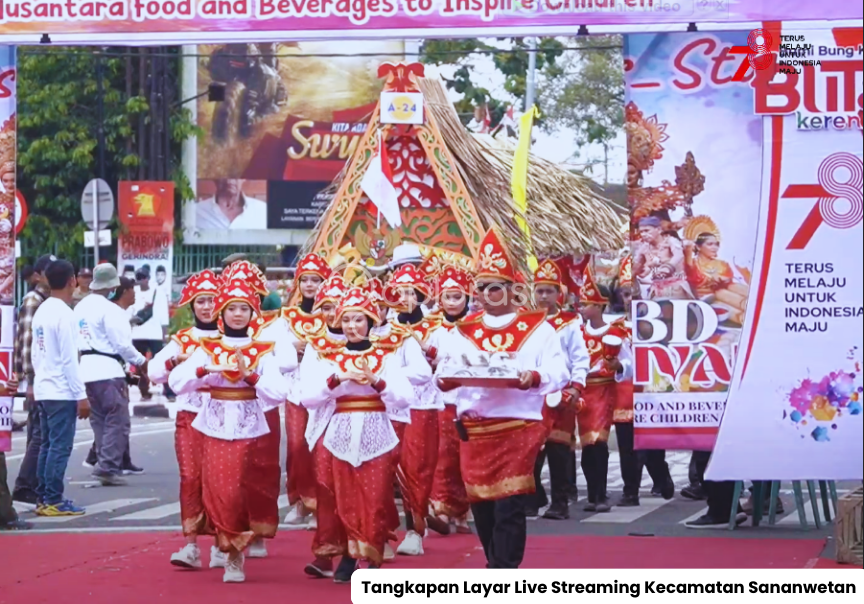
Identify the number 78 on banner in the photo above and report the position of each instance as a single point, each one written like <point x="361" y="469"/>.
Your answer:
<point x="757" y="53"/>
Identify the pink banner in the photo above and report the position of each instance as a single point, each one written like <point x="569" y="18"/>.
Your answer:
<point x="166" y="19"/>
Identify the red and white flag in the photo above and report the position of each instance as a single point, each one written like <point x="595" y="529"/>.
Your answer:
<point x="377" y="183"/>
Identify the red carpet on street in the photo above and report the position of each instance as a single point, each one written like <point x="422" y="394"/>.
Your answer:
<point x="132" y="568"/>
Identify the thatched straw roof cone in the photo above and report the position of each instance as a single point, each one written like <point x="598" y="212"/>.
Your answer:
<point x="565" y="214"/>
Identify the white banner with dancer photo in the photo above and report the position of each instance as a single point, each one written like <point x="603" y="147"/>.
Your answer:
<point x="794" y="408"/>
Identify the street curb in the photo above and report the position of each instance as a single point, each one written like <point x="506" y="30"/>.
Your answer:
<point x="150" y="410"/>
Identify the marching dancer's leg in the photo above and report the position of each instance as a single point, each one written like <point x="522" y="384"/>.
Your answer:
<point x="264" y="481"/>
<point x="416" y="473"/>
<point x="631" y="465"/>
<point x="558" y="455"/>
<point x="300" y="464"/>
<point x="188" y="445"/>
<point x="330" y="539"/>
<point x="449" y="500"/>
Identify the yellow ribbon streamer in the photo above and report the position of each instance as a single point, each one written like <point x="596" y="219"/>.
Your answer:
<point x="519" y="181"/>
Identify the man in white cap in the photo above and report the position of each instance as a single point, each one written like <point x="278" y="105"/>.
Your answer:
<point x="406" y="253"/>
<point x="105" y="343"/>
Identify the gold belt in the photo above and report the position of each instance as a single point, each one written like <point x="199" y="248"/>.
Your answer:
<point x="490" y="428"/>
<point x="233" y="394"/>
<point x="592" y="381"/>
<point x="357" y="404"/>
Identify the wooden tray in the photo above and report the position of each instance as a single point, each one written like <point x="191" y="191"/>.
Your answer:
<point x="485" y="382"/>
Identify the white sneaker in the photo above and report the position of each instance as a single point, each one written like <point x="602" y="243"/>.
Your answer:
<point x="234" y="570"/>
<point x="389" y="554"/>
<point x="188" y="557"/>
<point x="297" y="514"/>
<point x="313" y="523"/>
<point x="412" y="545"/>
<point x="217" y="558"/>
<point x="257" y="549"/>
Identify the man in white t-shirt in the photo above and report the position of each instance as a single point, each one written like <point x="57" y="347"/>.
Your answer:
<point x="57" y="388"/>
<point x="150" y="325"/>
<point x="105" y="341"/>
<point x="230" y="209"/>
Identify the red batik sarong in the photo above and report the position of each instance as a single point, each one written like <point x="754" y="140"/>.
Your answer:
<point x="498" y="458"/>
<point x="188" y="445"/>
<point x="393" y="520"/>
<point x="264" y="479"/>
<point x="595" y="416"/>
<point x="448" y="490"/>
<point x="560" y="422"/>
<point x="300" y="462"/>
<point x="417" y="461"/>
<point x="225" y="468"/>
<point x="352" y="507"/>
<point x="622" y="412"/>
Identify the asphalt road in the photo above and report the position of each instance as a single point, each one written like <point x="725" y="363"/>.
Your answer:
<point x="150" y="501"/>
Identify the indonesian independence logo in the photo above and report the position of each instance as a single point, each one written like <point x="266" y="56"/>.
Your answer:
<point x="820" y="406"/>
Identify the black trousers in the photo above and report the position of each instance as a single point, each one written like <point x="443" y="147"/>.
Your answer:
<point x="595" y="467"/>
<point x="719" y="498"/>
<point x="571" y="473"/>
<point x="632" y="462"/>
<point x="27" y="481"/>
<point x="153" y="347"/>
<point x="698" y="463"/>
<point x="559" y="458"/>
<point x="502" y="529"/>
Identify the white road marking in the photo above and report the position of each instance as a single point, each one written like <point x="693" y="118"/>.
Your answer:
<point x="91" y="510"/>
<point x="162" y="511"/>
<point x="87" y="443"/>
<point x="627" y="515"/>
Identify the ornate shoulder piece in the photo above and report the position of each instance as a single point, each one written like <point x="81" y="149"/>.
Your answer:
<point x="303" y="324"/>
<point x="226" y="356"/>
<point x="259" y="323"/>
<point x="562" y="319"/>
<point x="508" y="338"/>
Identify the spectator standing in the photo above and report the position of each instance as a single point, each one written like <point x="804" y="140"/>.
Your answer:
<point x="85" y="277"/>
<point x="105" y="342"/>
<point x="28" y="481"/>
<point x="150" y="326"/>
<point x="9" y="520"/>
<point x="58" y="388"/>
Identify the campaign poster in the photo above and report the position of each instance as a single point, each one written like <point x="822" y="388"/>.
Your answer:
<point x="794" y="409"/>
<point x="694" y="177"/>
<point x="292" y="116"/>
<point x="146" y="241"/>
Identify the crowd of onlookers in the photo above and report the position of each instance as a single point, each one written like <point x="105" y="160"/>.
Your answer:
<point x="82" y="338"/>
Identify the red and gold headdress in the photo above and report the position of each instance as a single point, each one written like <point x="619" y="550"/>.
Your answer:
<point x="375" y="289"/>
<point x="495" y="260"/>
<point x="431" y="266"/>
<point x="549" y="273"/>
<point x="644" y="136"/>
<point x="453" y="278"/>
<point x="236" y="290"/>
<point x="591" y="293"/>
<point x="243" y="270"/>
<point x="205" y="283"/>
<point x="312" y="264"/>
<point x="625" y="271"/>
<point x="405" y="276"/>
<point x="357" y="300"/>
<point x="332" y="290"/>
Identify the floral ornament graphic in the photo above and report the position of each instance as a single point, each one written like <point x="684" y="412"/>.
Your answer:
<point x="820" y="406"/>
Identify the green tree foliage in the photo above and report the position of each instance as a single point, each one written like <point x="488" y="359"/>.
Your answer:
<point x="588" y="96"/>
<point x="513" y="65"/>
<point x="57" y="137"/>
